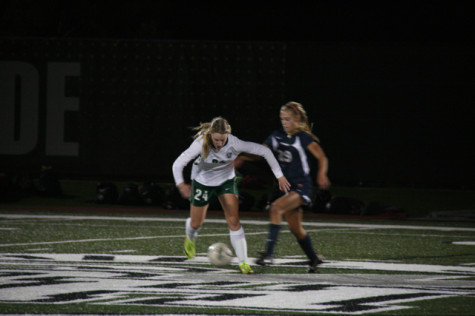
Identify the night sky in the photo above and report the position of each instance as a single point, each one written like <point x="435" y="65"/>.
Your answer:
<point x="340" y="21"/>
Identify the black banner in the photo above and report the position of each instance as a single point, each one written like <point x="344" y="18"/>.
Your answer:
<point x="387" y="114"/>
<point x="124" y="108"/>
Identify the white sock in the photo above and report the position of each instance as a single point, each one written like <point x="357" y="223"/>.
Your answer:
<point x="191" y="233"/>
<point x="238" y="240"/>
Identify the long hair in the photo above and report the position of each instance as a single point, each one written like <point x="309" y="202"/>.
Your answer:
<point x="299" y="113"/>
<point x="217" y="125"/>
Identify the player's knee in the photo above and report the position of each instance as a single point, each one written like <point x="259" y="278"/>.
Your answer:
<point x="276" y="209"/>
<point x="234" y="226"/>
<point x="234" y="223"/>
<point x="196" y="224"/>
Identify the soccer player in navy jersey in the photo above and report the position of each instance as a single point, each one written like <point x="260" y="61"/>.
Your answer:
<point x="293" y="145"/>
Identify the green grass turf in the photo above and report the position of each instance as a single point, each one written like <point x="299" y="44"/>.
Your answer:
<point x="78" y="236"/>
<point x="386" y="245"/>
<point x="414" y="246"/>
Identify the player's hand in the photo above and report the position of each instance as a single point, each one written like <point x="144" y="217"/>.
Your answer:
<point x="323" y="182"/>
<point x="284" y="185"/>
<point x="185" y="190"/>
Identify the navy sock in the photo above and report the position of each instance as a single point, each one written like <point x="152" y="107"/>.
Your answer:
<point x="272" y="239"/>
<point x="307" y="247"/>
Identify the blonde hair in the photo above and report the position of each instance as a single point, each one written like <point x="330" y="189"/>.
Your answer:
<point x="299" y="113"/>
<point x="217" y="125"/>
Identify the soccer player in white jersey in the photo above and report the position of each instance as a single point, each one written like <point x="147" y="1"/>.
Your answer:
<point x="214" y="150"/>
<point x="293" y="145"/>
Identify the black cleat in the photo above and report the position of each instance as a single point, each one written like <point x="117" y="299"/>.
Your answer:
<point x="312" y="265"/>
<point x="264" y="260"/>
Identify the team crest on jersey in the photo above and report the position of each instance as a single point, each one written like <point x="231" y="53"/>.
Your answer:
<point x="197" y="160"/>
<point x="229" y="154"/>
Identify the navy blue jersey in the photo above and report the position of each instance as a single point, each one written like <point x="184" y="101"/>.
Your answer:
<point x="291" y="152"/>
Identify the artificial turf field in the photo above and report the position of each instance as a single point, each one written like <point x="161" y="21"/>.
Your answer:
<point x="60" y="262"/>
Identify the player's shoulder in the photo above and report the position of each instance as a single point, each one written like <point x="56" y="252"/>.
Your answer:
<point x="236" y="142"/>
<point x="303" y="134"/>
<point x="233" y="139"/>
<point x="198" y="140"/>
<point x="305" y="137"/>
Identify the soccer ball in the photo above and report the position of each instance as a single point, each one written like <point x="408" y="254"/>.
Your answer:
<point x="219" y="254"/>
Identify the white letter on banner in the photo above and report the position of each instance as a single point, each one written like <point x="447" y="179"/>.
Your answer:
<point x="19" y="91"/>
<point x="57" y="104"/>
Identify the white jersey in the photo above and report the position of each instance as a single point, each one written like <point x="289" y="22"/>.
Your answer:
<point x="218" y="167"/>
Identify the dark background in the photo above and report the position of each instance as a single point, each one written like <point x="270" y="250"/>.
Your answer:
<point x="389" y="85"/>
<point x="340" y="21"/>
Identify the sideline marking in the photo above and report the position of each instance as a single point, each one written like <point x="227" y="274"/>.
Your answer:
<point x="115" y="239"/>
<point x="465" y="243"/>
<point x="251" y="222"/>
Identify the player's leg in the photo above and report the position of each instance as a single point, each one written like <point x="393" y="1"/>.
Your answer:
<point x="198" y="207"/>
<point x="283" y="204"/>
<point x="277" y="210"/>
<point x="294" y="219"/>
<point x="192" y="227"/>
<point x="195" y="221"/>
<point x="230" y="204"/>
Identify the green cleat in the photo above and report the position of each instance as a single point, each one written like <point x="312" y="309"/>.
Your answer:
<point x="245" y="268"/>
<point x="190" y="250"/>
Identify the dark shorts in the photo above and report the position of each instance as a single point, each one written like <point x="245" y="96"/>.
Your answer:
<point x="303" y="187"/>
<point x="201" y="194"/>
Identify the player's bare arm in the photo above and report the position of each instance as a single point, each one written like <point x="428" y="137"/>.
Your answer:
<point x="322" y="178"/>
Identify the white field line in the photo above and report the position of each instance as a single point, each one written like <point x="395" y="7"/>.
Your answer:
<point x="364" y="232"/>
<point x="250" y="222"/>
<point x="351" y="227"/>
<point x="121" y="238"/>
<point x="465" y="243"/>
<point x="117" y="239"/>
<point x="211" y="235"/>
<point x="108" y="239"/>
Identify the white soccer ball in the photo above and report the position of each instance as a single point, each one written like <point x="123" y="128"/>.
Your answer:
<point x="219" y="254"/>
